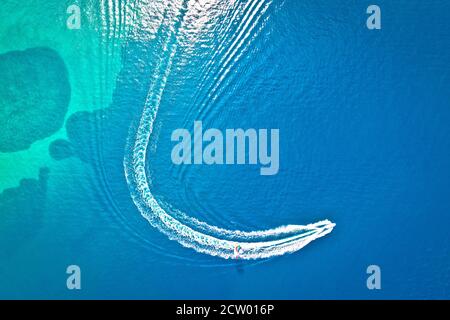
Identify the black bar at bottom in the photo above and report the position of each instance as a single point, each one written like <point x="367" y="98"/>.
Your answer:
<point x="224" y="309"/>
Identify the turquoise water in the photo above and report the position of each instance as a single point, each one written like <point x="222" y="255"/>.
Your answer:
<point x="364" y="142"/>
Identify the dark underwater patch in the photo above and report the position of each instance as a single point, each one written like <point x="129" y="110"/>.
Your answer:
<point x="22" y="211"/>
<point x="60" y="149"/>
<point x="34" y="97"/>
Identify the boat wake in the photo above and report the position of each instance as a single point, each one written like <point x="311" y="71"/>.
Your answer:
<point x="188" y="231"/>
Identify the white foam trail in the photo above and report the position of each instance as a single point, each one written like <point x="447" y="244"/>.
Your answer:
<point x="199" y="235"/>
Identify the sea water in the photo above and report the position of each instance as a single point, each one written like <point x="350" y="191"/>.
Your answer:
<point x="364" y="142"/>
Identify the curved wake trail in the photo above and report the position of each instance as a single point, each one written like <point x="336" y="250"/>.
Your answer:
<point x="188" y="231"/>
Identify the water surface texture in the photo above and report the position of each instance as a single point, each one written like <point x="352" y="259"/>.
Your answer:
<point x="86" y="176"/>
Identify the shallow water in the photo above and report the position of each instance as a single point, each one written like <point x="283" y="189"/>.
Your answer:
<point x="364" y="142"/>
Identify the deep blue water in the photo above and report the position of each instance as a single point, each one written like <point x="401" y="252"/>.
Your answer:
<point x="364" y="141"/>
